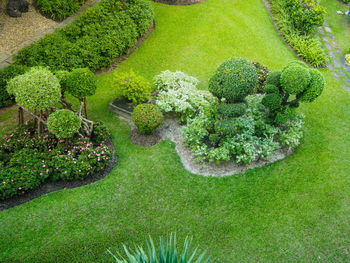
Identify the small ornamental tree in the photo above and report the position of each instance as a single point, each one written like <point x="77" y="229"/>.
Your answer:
<point x="303" y="83"/>
<point x="36" y="90"/>
<point x="63" y="123"/>
<point x="81" y="83"/>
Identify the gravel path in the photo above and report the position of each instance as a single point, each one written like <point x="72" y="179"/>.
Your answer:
<point x="14" y="31"/>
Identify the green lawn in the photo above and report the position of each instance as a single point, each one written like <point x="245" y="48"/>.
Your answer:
<point x="295" y="210"/>
<point x="340" y="24"/>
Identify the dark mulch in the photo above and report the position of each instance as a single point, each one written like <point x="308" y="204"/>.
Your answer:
<point x="179" y="2"/>
<point x="144" y="140"/>
<point x="124" y="104"/>
<point x="49" y="186"/>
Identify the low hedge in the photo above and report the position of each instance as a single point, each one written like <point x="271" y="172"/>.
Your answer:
<point x="59" y="9"/>
<point x="94" y="40"/>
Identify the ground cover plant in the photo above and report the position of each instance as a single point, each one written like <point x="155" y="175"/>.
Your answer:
<point x="94" y="40"/>
<point x="293" y="210"/>
<point x="59" y="9"/>
<point x="297" y="20"/>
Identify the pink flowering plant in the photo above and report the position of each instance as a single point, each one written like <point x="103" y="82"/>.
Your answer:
<point x="27" y="159"/>
<point x="263" y="73"/>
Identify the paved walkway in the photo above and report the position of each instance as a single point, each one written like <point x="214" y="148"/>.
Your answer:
<point x="337" y="63"/>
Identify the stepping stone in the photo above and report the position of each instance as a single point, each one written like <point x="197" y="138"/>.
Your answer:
<point x="328" y="29"/>
<point x="332" y="54"/>
<point x="328" y="46"/>
<point x="4" y="56"/>
<point x="335" y="44"/>
<point x="342" y="60"/>
<point x="346" y="87"/>
<point x="331" y="36"/>
<point x="4" y="65"/>
<point x="325" y="39"/>
<point x="336" y="63"/>
<point x="341" y="72"/>
<point x="347" y="81"/>
<point x="336" y="76"/>
<point x="339" y="52"/>
<point x="326" y="23"/>
<point x="330" y="66"/>
<point x="320" y="29"/>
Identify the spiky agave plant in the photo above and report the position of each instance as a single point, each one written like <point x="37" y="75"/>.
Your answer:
<point x="167" y="253"/>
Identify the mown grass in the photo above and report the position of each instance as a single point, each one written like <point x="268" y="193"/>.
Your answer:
<point x="295" y="210"/>
<point x="340" y="24"/>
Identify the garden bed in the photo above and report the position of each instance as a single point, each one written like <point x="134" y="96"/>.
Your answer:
<point x="179" y="2"/>
<point x="50" y="186"/>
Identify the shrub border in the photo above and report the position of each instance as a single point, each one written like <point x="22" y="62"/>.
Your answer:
<point x="268" y="8"/>
<point x="50" y="186"/>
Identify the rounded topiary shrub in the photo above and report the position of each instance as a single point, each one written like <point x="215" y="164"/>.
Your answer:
<point x="272" y="101"/>
<point x="62" y="76"/>
<point x="271" y="89"/>
<point x="63" y="123"/>
<point x="81" y="82"/>
<point x="234" y="80"/>
<point x="274" y="78"/>
<point x="295" y="79"/>
<point x="37" y="89"/>
<point x="147" y="117"/>
<point x="315" y="88"/>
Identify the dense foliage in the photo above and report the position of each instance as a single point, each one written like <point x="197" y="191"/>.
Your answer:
<point x="59" y="9"/>
<point x="263" y="73"/>
<point x="132" y="87"/>
<point x="147" y="117"/>
<point x="306" y="45"/>
<point x="28" y="159"/>
<point x="94" y="40"/>
<point x="233" y="80"/>
<point x="36" y="90"/>
<point x="177" y="93"/>
<point x="81" y="82"/>
<point x="63" y="123"/>
<point x="166" y="253"/>
<point x="6" y="74"/>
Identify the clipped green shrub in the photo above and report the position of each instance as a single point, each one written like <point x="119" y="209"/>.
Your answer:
<point x="272" y="101"/>
<point x="35" y="90"/>
<point x="315" y="88"/>
<point x="271" y="89"/>
<point x="81" y="83"/>
<point x="63" y="123"/>
<point x="263" y="73"/>
<point x="233" y="80"/>
<point x="59" y="9"/>
<point x="147" y="117"/>
<point x="232" y="110"/>
<point x="94" y="40"/>
<point x="134" y="88"/>
<point x="6" y="74"/>
<point x="295" y="79"/>
<point x="274" y="78"/>
<point x="62" y="76"/>
<point x="166" y="253"/>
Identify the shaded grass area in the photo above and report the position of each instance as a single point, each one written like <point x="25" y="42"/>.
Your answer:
<point x="296" y="209"/>
<point x="340" y="24"/>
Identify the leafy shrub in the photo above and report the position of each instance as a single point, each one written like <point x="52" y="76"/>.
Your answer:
<point x="81" y="83"/>
<point x="232" y="110"/>
<point x="94" y="40"/>
<point x="166" y="253"/>
<point x="135" y="88"/>
<point x="271" y="89"/>
<point x="307" y="46"/>
<point x="294" y="79"/>
<point x="274" y="79"/>
<point x="315" y="88"/>
<point x="62" y="76"/>
<point x="59" y="9"/>
<point x="305" y="17"/>
<point x="347" y="58"/>
<point x="147" y="117"/>
<point x="242" y="139"/>
<point x="233" y="80"/>
<point x="272" y="101"/>
<point x="100" y="133"/>
<point x="63" y="123"/>
<point x="6" y="74"/>
<point x="37" y="89"/>
<point x="27" y="159"/>
<point x="263" y="73"/>
<point x="178" y="94"/>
